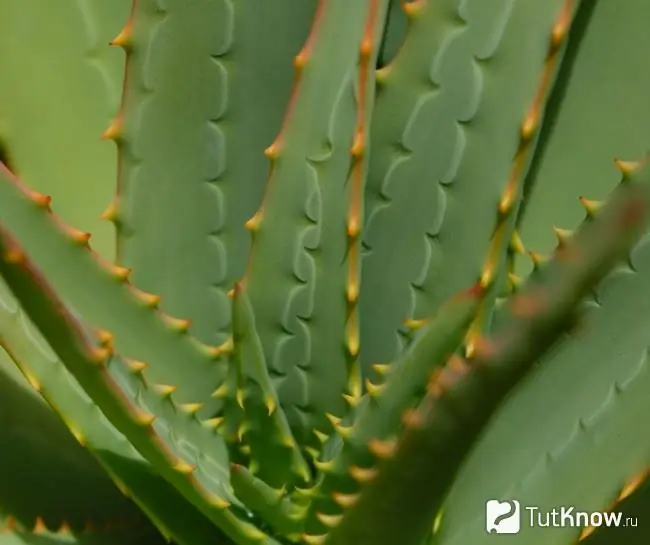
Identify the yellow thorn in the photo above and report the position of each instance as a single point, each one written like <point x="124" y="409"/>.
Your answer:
<point x="352" y="399"/>
<point x="184" y="467"/>
<point x="529" y="126"/>
<point x="271" y="403"/>
<point x="362" y="475"/>
<point x="40" y="200"/>
<point x="144" y="419"/>
<point x="300" y="60"/>
<point x="105" y="338"/>
<point x="241" y="431"/>
<point x="64" y="529"/>
<point x="179" y="325"/>
<point x="353" y="228"/>
<point x="586" y="532"/>
<point x="626" y="168"/>
<point x="149" y="300"/>
<point x="215" y="352"/>
<point x="345" y="500"/>
<point x="537" y="258"/>
<point x="80" y="238"/>
<point x="124" y="38"/>
<point x="352" y="292"/>
<point x="381" y="368"/>
<point x="100" y="355"/>
<point x="81" y="439"/>
<point x="325" y="467"/>
<point x="239" y="397"/>
<point x="135" y="366"/>
<point x="314" y="540"/>
<point x="590" y="206"/>
<point x="382" y="449"/>
<point x="253" y="224"/>
<point x="516" y="244"/>
<point x="335" y="420"/>
<point x="119" y="273"/>
<point x="322" y="437"/>
<point x="359" y="145"/>
<point x="438" y="521"/>
<point x="344" y="431"/>
<point x="353" y="340"/>
<point x="39" y="526"/>
<point x="412" y="9"/>
<point x="214" y="423"/>
<point x="114" y="130"/>
<point x="122" y="487"/>
<point x="412" y="418"/>
<point x="14" y="256"/>
<point x="191" y="408"/>
<point x="313" y="452"/>
<point x="165" y="390"/>
<point x="413" y="325"/>
<point x="373" y="389"/>
<point x="33" y="382"/>
<point x="562" y="25"/>
<point x="111" y="212"/>
<point x="381" y="75"/>
<point x="331" y="521"/>
<point x="562" y="235"/>
<point x="632" y="485"/>
<point x="221" y="392"/>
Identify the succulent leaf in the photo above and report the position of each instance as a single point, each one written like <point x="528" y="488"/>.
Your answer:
<point x="274" y="453"/>
<point x="51" y="119"/>
<point x="576" y="158"/>
<point x="190" y="133"/>
<point x="302" y="231"/>
<point x="105" y="298"/>
<point x="403" y="492"/>
<point x="173" y="516"/>
<point x="591" y="431"/>
<point x="54" y="487"/>
<point x="456" y="107"/>
<point x="370" y="435"/>
<point x="167" y="435"/>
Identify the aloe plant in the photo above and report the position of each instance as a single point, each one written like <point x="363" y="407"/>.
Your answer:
<point x="356" y="269"/>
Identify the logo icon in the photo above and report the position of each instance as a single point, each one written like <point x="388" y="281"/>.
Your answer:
<point x="502" y="517"/>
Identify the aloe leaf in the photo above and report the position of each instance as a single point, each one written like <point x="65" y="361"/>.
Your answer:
<point x="204" y="90"/>
<point x="377" y="423"/>
<point x="13" y="533"/>
<point x="51" y="120"/>
<point x="273" y="506"/>
<point x="306" y="232"/>
<point x="602" y="113"/>
<point x="102" y="294"/>
<point x="185" y="451"/>
<point x="167" y="509"/>
<point x="460" y="102"/>
<point x="406" y="489"/>
<point x="274" y="454"/>
<point x="56" y="487"/>
<point x="584" y="450"/>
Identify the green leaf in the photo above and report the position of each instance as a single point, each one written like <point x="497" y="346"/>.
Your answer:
<point x="60" y="88"/>
<point x="405" y="490"/>
<point x="171" y="513"/>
